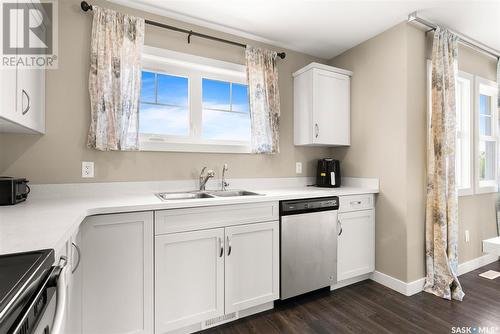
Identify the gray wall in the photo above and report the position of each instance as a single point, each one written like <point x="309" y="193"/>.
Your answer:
<point x="56" y="157"/>
<point x="389" y="141"/>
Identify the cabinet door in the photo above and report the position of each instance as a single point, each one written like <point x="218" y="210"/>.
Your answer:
<point x="252" y="265"/>
<point x="189" y="278"/>
<point x="31" y="98"/>
<point x="331" y="110"/>
<point x="117" y="274"/>
<point x="8" y="88"/>
<point x="356" y="244"/>
<point x="8" y="93"/>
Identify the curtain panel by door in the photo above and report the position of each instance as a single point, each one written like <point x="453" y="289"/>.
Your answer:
<point x="498" y="152"/>
<point x="115" y="80"/>
<point x="442" y="197"/>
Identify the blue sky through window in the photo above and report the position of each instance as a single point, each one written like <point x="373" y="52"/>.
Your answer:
<point x="164" y="107"/>
<point x="484" y="115"/>
<point x="164" y="104"/>
<point x="225" y="111"/>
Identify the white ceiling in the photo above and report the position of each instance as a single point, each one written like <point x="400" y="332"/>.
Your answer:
<point x="327" y="28"/>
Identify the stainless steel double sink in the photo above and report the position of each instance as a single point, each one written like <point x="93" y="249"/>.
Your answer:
<point x="169" y="196"/>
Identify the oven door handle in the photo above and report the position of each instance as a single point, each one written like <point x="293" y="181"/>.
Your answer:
<point x="61" y="296"/>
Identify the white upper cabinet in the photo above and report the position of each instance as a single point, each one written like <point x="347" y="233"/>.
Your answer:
<point x="322" y="106"/>
<point x="22" y="107"/>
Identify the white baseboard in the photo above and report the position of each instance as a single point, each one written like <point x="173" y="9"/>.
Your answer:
<point x="476" y="263"/>
<point x="404" y="288"/>
<point x="350" y="281"/>
<point x="411" y="288"/>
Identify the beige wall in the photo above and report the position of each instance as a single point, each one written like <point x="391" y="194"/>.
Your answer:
<point x="389" y="141"/>
<point x="378" y="121"/>
<point x="416" y="138"/>
<point x="56" y="157"/>
<point x="476" y="213"/>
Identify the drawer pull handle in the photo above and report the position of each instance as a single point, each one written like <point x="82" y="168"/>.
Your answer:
<point x="228" y="246"/>
<point x="221" y="247"/>
<point x="356" y="202"/>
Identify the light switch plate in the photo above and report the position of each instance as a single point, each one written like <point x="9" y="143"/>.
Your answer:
<point x="87" y="169"/>
<point x="298" y="167"/>
<point x="467" y="236"/>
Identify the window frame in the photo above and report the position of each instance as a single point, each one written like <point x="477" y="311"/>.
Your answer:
<point x="466" y="178"/>
<point x="194" y="68"/>
<point x="485" y="87"/>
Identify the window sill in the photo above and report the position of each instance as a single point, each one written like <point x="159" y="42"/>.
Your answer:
<point x="465" y="192"/>
<point x="162" y="146"/>
<point x="487" y="189"/>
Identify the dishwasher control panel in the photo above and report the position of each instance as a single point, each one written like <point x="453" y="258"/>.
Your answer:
<point x="309" y="205"/>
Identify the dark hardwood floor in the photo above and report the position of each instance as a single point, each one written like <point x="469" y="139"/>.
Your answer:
<point x="368" y="307"/>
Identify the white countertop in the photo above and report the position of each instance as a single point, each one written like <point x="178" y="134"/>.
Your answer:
<point x="48" y="221"/>
<point x="492" y="246"/>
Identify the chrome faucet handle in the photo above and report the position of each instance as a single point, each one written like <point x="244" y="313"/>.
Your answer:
<point x="204" y="178"/>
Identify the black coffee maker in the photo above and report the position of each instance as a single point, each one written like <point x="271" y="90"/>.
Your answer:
<point x="328" y="174"/>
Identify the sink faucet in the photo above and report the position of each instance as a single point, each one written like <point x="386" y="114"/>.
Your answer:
<point x="225" y="184"/>
<point x="204" y="178"/>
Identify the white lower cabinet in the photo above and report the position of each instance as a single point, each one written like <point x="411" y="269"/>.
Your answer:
<point x="189" y="278"/>
<point x="251" y="265"/>
<point x="201" y="275"/>
<point x="117" y="274"/>
<point x="356" y="244"/>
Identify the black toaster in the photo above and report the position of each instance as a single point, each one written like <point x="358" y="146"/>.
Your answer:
<point x="13" y="190"/>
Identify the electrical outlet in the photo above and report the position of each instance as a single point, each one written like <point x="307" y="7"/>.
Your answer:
<point x="87" y="169"/>
<point x="298" y="167"/>
<point x="467" y="236"/>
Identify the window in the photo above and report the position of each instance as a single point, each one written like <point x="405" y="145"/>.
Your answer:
<point x="164" y="105"/>
<point x="463" y="151"/>
<point x="487" y="135"/>
<point x="477" y="133"/>
<point x="193" y="104"/>
<point x="225" y="111"/>
<point x="463" y="162"/>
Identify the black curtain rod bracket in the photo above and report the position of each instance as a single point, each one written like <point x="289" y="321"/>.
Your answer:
<point x="86" y="7"/>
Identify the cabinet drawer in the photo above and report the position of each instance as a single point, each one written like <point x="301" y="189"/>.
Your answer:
<point x="356" y="202"/>
<point x="179" y="220"/>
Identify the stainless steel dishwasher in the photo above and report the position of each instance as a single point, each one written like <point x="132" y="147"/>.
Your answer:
<point x="308" y="232"/>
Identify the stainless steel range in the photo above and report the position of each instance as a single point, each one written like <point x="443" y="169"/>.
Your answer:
<point x="32" y="293"/>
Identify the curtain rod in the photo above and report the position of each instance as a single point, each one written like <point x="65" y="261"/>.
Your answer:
<point x="86" y="7"/>
<point x="472" y="43"/>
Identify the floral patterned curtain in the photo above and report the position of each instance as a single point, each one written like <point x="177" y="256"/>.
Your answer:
<point x="442" y="198"/>
<point x="498" y="150"/>
<point x="263" y="92"/>
<point x="115" y="80"/>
